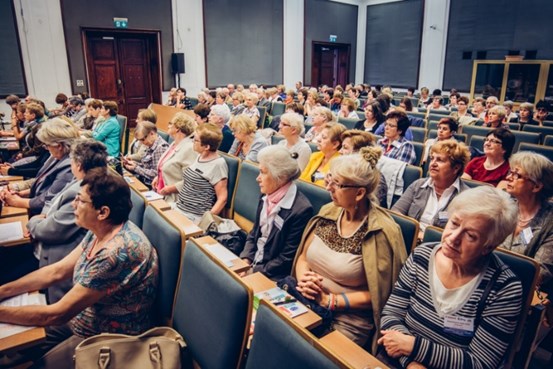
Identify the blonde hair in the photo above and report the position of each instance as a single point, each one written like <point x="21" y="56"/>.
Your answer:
<point x="243" y="124"/>
<point x="457" y="152"/>
<point x="184" y="123"/>
<point x="58" y="131"/>
<point x="294" y="120"/>
<point x="538" y="168"/>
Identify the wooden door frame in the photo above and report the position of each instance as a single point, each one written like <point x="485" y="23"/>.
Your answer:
<point x="155" y="47"/>
<point x="332" y="45"/>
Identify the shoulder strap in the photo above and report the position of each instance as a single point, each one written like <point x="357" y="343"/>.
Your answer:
<point x="500" y="267"/>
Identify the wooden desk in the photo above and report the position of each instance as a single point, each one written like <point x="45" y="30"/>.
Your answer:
<point x="135" y="183"/>
<point x="350" y="352"/>
<point x="258" y="282"/>
<point x="183" y="223"/>
<point x="238" y="265"/>
<point x="22" y="340"/>
<point x="19" y="218"/>
<point x="160" y="205"/>
<point x="11" y="178"/>
<point x="10" y="211"/>
<point x="166" y="113"/>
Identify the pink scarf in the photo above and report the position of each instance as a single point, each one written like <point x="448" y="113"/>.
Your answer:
<point x="274" y="198"/>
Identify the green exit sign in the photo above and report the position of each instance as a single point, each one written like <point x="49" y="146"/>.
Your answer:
<point x="120" y="22"/>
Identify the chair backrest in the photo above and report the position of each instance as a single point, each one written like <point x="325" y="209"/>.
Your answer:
<point x="122" y="120"/>
<point x="458" y="136"/>
<point x="168" y="242"/>
<point x="474" y="131"/>
<point x="349" y="123"/>
<point x="262" y="116"/>
<point x="193" y="101"/>
<point x="280" y="343"/>
<point x="474" y="183"/>
<point x="432" y="234"/>
<point x="419" y="149"/>
<point x="410" y="175"/>
<point x="213" y="310"/>
<point x="435" y="115"/>
<point x="432" y="125"/>
<point x="548" y="140"/>
<point x="317" y="195"/>
<point x="548" y="123"/>
<point x="313" y="147"/>
<point x="540" y="149"/>
<point x="417" y="114"/>
<point x="246" y="196"/>
<point x="544" y="131"/>
<point x="409" y="229"/>
<point x="514" y="126"/>
<point x="138" y="207"/>
<point x="477" y="142"/>
<point x="277" y="108"/>
<point x="233" y="164"/>
<point x="276" y="139"/>
<point x="528" y="137"/>
<point x="164" y="135"/>
<point x="439" y="112"/>
<point x="419" y="134"/>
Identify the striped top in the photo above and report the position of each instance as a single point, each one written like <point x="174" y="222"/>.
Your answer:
<point x="410" y="309"/>
<point x="197" y="194"/>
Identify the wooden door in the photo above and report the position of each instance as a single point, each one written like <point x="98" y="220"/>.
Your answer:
<point x="122" y="67"/>
<point x="330" y="64"/>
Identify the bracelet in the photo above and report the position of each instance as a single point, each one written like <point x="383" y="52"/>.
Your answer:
<point x="346" y="301"/>
<point x="335" y="300"/>
<point x="329" y="302"/>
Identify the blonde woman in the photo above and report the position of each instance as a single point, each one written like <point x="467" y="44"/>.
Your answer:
<point x="247" y="142"/>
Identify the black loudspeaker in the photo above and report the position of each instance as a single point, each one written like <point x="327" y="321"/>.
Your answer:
<point x="177" y="63"/>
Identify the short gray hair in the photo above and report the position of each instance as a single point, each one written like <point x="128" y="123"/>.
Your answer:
<point x="500" y="110"/>
<point x="538" y="168"/>
<point x="280" y="164"/>
<point x="295" y="120"/>
<point x="492" y="204"/>
<point x="58" y="131"/>
<point x="222" y="112"/>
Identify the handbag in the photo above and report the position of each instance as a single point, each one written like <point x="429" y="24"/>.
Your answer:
<point x="224" y="231"/>
<point x="157" y="348"/>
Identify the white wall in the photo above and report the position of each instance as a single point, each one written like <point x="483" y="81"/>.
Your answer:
<point x="293" y="42"/>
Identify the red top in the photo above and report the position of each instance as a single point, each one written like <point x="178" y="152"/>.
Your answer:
<point x="475" y="168"/>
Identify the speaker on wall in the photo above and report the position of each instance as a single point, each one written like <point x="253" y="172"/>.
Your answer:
<point x="177" y="63"/>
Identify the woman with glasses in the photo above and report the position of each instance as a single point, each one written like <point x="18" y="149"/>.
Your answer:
<point x="492" y="168"/>
<point x="463" y="116"/>
<point x="179" y="156"/>
<point x="319" y="117"/>
<point x="330" y="142"/>
<point x="530" y="182"/>
<point x="291" y="127"/>
<point x="373" y="118"/>
<point x="394" y="144"/>
<point x="352" y="251"/>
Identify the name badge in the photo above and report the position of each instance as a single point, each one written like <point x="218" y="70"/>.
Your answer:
<point x="442" y="215"/>
<point x="459" y="325"/>
<point x="318" y="176"/>
<point x="527" y="235"/>
<point x="279" y="222"/>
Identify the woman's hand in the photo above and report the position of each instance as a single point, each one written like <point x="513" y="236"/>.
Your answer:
<point x="167" y="190"/>
<point x="154" y="184"/>
<point x="415" y="365"/>
<point x="310" y="285"/>
<point x="130" y="165"/>
<point x="396" y="343"/>
<point x="4" y="169"/>
<point x="12" y="198"/>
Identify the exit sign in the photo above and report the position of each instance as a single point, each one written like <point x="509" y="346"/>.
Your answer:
<point x="120" y="22"/>
<point x="333" y="38"/>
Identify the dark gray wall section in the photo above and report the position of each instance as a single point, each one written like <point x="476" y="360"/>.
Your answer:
<point x="324" y="18"/>
<point x="495" y="26"/>
<point x="243" y="41"/>
<point x="142" y="15"/>
<point x="393" y="43"/>
<point x="12" y="79"/>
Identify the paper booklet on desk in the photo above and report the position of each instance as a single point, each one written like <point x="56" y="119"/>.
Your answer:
<point x="7" y="330"/>
<point x="151" y="195"/>
<point x="11" y="231"/>
<point x="222" y="253"/>
<point x="286" y="303"/>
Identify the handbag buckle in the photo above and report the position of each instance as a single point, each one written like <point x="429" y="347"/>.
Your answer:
<point x="104" y="357"/>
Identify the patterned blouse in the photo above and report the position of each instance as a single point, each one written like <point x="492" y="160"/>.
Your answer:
<point x="127" y="268"/>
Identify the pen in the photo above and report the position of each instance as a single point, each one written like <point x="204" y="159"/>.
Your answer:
<point x="283" y="302"/>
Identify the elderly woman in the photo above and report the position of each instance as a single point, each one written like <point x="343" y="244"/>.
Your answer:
<point x="247" y="141"/>
<point x="526" y="114"/>
<point x="146" y="168"/>
<point x="177" y="158"/>
<point x="373" y="118"/>
<point x="530" y="182"/>
<point x="114" y="270"/>
<point x="427" y="199"/>
<point x="329" y="145"/>
<point x="57" y="135"/>
<point x="205" y="180"/>
<point x="456" y="305"/>
<point x="347" y="109"/>
<point x="282" y="214"/>
<point x="352" y="251"/>
<point x="250" y="109"/>
<point x="447" y="127"/>
<point x="496" y="115"/>
<point x="319" y="117"/>
<point x="237" y="103"/>
<point x="492" y="168"/>
<point x="108" y="130"/>
<point x="394" y="144"/>
<point x="55" y="229"/>
<point x="137" y="149"/>
<point x="311" y="102"/>
<point x="291" y="127"/>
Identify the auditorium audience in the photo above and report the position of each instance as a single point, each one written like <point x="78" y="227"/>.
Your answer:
<point x="352" y="251"/>
<point x="282" y="213"/>
<point x="456" y="304"/>
<point x="291" y="127"/>
<point x="247" y="140"/>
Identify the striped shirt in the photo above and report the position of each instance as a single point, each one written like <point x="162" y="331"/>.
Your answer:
<point x="197" y="194"/>
<point x="410" y="309"/>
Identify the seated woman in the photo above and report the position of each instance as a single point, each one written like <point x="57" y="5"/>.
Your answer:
<point x="281" y="217"/>
<point x="247" y="141"/>
<point x="57" y="135"/>
<point x="87" y="122"/>
<point x="347" y="109"/>
<point x="526" y="114"/>
<point x="530" y="182"/>
<point x="250" y="109"/>
<point x="320" y="117"/>
<point x="447" y="127"/>
<point x="496" y="115"/>
<point x="394" y="144"/>
<point x="177" y="158"/>
<point x="108" y="129"/>
<point x="492" y="168"/>
<point x="373" y="118"/>
<point x="205" y="180"/>
<point x="407" y="104"/>
<point x="137" y="149"/>
<point x="456" y="305"/>
<point x="427" y="199"/>
<point x="115" y="272"/>
<point x="329" y="145"/>
<point x="352" y="251"/>
<point x="291" y="127"/>
<point x="55" y="228"/>
<point x="146" y="168"/>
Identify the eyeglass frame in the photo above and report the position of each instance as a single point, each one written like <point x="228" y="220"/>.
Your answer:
<point x="78" y="199"/>
<point x="329" y="182"/>
<point x="516" y="176"/>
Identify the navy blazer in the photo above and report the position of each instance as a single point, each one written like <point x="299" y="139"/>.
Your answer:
<point x="51" y="178"/>
<point x="282" y="244"/>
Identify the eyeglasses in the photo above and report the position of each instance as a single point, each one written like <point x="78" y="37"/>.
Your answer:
<point x="329" y="182"/>
<point x="493" y="141"/>
<point x="141" y="139"/>
<point x="46" y="146"/>
<point x="390" y="125"/>
<point x="78" y="199"/>
<point x="285" y="124"/>
<point x="516" y="175"/>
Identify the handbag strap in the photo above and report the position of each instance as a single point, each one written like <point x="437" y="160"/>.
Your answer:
<point x="500" y="267"/>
